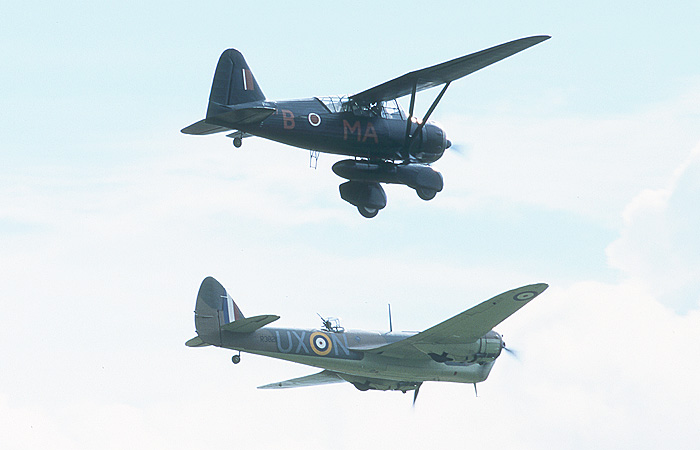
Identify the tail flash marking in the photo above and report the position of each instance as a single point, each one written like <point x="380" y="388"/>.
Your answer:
<point x="227" y="308"/>
<point x="230" y="310"/>
<point x="248" y="83"/>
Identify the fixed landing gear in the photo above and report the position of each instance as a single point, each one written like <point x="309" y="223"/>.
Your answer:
<point x="365" y="192"/>
<point x="368" y="197"/>
<point x="236" y="358"/>
<point x="237" y="142"/>
<point x="426" y="194"/>
<point x="367" y="212"/>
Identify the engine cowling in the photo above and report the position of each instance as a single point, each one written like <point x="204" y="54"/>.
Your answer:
<point x="489" y="348"/>
<point x="483" y="350"/>
<point x="430" y="146"/>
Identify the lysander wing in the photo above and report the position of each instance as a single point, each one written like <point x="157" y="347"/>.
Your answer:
<point x="325" y="377"/>
<point x="444" y="72"/>
<point x="465" y="327"/>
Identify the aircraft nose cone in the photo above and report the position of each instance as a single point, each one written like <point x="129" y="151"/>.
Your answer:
<point x="448" y="144"/>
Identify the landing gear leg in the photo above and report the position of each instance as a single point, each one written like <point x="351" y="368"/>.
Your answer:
<point x="236" y="358"/>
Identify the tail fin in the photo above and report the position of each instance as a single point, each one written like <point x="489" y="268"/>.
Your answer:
<point x="216" y="312"/>
<point x="214" y="309"/>
<point x="233" y="83"/>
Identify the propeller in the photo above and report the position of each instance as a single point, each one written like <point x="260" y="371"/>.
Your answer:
<point x="455" y="147"/>
<point x="510" y="351"/>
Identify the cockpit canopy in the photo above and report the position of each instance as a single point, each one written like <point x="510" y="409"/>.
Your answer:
<point x="332" y="324"/>
<point x="390" y="109"/>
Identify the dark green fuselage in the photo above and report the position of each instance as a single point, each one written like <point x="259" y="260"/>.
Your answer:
<point x="310" y="125"/>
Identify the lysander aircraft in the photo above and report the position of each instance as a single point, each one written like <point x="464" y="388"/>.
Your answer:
<point x="386" y="144"/>
<point x="462" y="349"/>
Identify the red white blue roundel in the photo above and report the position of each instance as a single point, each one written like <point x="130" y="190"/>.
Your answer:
<point x="314" y="119"/>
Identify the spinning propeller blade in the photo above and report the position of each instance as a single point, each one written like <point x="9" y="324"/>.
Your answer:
<point x="513" y="353"/>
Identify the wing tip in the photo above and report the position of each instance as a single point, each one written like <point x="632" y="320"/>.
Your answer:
<point x="538" y="37"/>
<point x="539" y="287"/>
<point x="528" y="292"/>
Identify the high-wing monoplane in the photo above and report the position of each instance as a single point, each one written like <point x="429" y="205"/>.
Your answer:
<point x="462" y="349"/>
<point x="386" y="144"/>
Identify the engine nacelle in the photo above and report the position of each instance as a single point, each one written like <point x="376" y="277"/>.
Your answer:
<point x="490" y="348"/>
<point x="483" y="350"/>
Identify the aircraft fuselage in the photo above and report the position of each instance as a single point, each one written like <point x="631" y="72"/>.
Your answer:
<point x="342" y="352"/>
<point x="309" y="124"/>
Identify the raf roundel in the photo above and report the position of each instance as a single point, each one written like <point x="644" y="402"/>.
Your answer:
<point x="314" y="119"/>
<point x="320" y="343"/>
<point x="523" y="296"/>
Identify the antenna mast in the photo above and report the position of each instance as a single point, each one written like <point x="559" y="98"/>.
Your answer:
<point x="390" y="326"/>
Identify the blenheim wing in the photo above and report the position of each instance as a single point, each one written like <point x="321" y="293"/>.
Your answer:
<point x="465" y="327"/>
<point x="325" y="377"/>
<point x="445" y="72"/>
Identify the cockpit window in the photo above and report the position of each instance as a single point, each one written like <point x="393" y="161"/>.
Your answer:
<point x="334" y="103"/>
<point x="390" y="109"/>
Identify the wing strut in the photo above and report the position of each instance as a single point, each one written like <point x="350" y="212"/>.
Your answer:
<point x="407" y="137"/>
<point x="408" y="141"/>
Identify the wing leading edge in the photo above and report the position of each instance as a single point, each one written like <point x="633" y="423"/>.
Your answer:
<point x="467" y="326"/>
<point x="444" y="72"/>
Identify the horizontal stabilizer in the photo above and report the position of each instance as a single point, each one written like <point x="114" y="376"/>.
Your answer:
<point x="249" y="324"/>
<point x="202" y="128"/>
<point x="196" y="342"/>
<point x="325" y="377"/>
<point x="229" y="117"/>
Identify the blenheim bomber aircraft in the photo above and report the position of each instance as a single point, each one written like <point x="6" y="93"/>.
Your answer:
<point x="462" y="349"/>
<point x="386" y="144"/>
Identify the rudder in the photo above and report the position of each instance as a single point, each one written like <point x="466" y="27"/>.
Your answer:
<point x="233" y="83"/>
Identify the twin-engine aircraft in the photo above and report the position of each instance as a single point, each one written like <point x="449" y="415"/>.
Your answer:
<point x="386" y="144"/>
<point x="462" y="349"/>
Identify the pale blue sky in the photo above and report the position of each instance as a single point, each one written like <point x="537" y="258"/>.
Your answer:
<point x="580" y="166"/>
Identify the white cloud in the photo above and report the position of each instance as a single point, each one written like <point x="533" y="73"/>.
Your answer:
<point x="604" y="364"/>
<point x="659" y="242"/>
<point x="590" y="166"/>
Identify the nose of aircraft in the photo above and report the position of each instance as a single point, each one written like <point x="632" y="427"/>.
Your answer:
<point x="431" y="145"/>
<point x="444" y="144"/>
